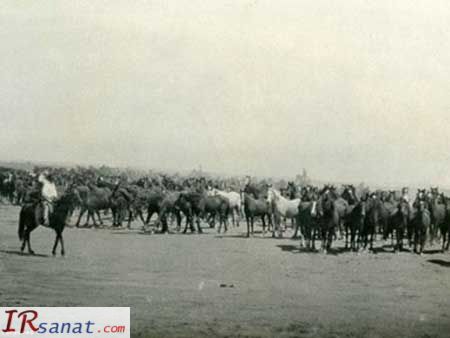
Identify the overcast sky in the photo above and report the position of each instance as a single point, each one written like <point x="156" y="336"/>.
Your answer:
<point x="350" y="90"/>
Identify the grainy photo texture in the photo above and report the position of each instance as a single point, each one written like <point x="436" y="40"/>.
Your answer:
<point x="246" y="168"/>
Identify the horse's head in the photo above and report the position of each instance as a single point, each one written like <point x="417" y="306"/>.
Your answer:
<point x="422" y="205"/>
<point x="69" y="199"/>
<point x="349" y="194"/>
<point x="362" y="205"/>
<point x="421" y="194"/>
<point x="434" y="191"/>
<point x="404" y="208"/>
<point x="271" y="195"/>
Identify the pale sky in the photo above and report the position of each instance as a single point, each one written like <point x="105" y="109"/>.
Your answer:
<point x="351" y="90"/>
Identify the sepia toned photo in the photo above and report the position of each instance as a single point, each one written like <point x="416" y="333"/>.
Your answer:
<point x="225" y="168"/>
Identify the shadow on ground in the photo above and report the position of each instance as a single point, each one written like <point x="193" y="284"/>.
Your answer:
<point x="440" y="262"/>
<point x="19" y="253"/>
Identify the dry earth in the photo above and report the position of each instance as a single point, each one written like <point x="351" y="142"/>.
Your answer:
<point x="213" y="286"/>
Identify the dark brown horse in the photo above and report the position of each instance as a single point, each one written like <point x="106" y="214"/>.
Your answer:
<point x="93" y="200"/>
<point x="371" y="221"/>
<point x="31" y="214"/>
<point x="422" y="222"/>
<point x="354" y="224"/>
<point x="328" y="209"/>
<point x="189" y="203"/>
<point x="256" y="208"/>
<point x="213" y="206"/>
<point x="438" y="212"/>
<point x="401" y="223"/>
<point x="169" y="206"/>
<point x="445" y="227"/>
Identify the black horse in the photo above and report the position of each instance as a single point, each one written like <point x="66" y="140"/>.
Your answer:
<point x="445" y="227"/>
<point x="31" y="215"/>
<point x="329" y="217"/>
<point x="373" y="207"/>
<point x="422" y="222"/>
<point x="254" y="207"/>
<point x="401" y="223"/>
<point x="189" y="202"/>
<point x="354" y="224"/>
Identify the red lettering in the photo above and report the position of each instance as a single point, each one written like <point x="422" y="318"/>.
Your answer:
<point x="10" y="317"/>
<point x="25" y="320"/>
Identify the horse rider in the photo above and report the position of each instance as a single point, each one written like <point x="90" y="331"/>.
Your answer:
<point x="48" y="194"/>
<point x="405" y="195"/>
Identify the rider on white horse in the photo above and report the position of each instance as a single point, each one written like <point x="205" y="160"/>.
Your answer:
<point x="49" y="194"/>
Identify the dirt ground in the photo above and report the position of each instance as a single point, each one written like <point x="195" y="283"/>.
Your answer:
<point x="229" y="286"/>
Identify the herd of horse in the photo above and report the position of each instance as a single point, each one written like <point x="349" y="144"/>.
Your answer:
<point x="315" y="214"/>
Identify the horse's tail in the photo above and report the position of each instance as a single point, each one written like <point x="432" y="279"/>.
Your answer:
<point x="21" y="231"/>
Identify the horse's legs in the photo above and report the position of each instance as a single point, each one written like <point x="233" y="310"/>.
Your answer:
<point x="99" y="217"/>
<point x="188" y="218"/>
<point x="399" y="245"/>
<point x="191" y="222"/>
<point x="149" y="216"/>
<point x="28" y="237"/>
<point x="294" y="236"/>
<point x="82" y="212"/>
<point x="87" y="218"/>
<point x="423" y="240"/>
<point x="323" y="239"/>
<point x="56" y="244"/>
<point x="346" y="237"/>
<point x="224" y="217"/>
<point x="130" y="216"/>
<point x="448" y="240"/>
<point x="141" y="216"/>
<point x="330" y="239"/>
<point x="199" y="228"/>
<point x="178" y="219"/>
<point x="372" y="236"/>
<point x="24" y="242"/>
<point x="276" y="224"/>
<point x="93" y="218"/>
<point x="247" y="219"/>
<point x="63" y="251"/>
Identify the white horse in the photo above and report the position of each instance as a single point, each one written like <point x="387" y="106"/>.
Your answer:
<point x="233" y="198"/>
<point x="282" y="207"/>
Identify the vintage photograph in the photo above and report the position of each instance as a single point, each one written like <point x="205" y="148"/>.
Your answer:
<point x="226" y="168"/>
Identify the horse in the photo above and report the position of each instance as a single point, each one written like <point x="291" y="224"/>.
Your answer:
<point x="234" y="199"/>
<point x="154" y="199"/>
<point x="354" y="224"/>
<point x="438" y="212"/>
<point x="368" y="233"/>
<point x="306" y="222"/>
<point x="120" y="203"/>
<point x="189" y="203"/>
<point x="388" y="208"/>
<point x="422" y="222"/>
<point x="282" y="207"/>
<point x="138" y="203"/>
<point x="445" y="227"/>
<point x="31" y="214"/>
<point x="255" y="208"/>
<point x="329" y="218"/>
<point x="401" y="220"/>
<point x="167" y="206"/>
<point x="93" y="199"/>
<point x="215" y="206"/>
